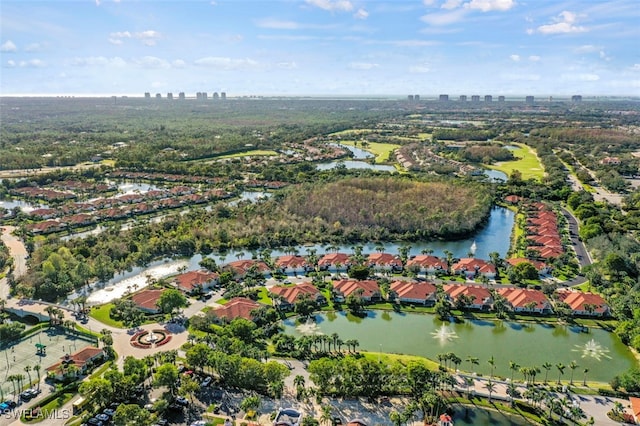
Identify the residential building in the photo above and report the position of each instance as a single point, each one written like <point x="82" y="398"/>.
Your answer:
<point x="240" y="268"/>
<point x="529" y="100"/>
<point x="238" y="307"/>
<point x="194" y="282"/>
<point x="541" y="267"/>
<point x="369" y="290"/>
<point x="463" y="98"/>
<point x="488" y="98"/>
<point x="427" y="264"/>
<point x="479" y="297"/>
<point x="147" y="300"/>
<point x="443" y="98"/>
<point x="587" y="304"/>
<point x="334" y="262"/>
<point x="635" y="408"/>
<point x="289" y="295"/>
<point x="472" y="267"/>
<point x="475" y="98"/>
<point x="419" y="293"/>
<point x="293" y="265"/>
<point x="526" y="300"/>
<point x="384" y="262"/>
<point x="576" y="98"/>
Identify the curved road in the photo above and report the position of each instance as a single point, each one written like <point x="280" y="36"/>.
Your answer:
<point x="18" y="253"/>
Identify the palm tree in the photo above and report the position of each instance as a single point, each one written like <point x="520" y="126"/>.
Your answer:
<point x="36" y="368"/>
<point x="572" y="365"/>
<point x="491" y="387"/>
<point x="560" y="366"/>
<point x="492" y="362"/>
<point x="12" y="379"/>
<point x="334" y="339"/>
<point x="584" y="380"/>
<point x="513" y="366"/>
<point x="547" y="366"/>
<point x="472" y="360"/>
<point x="27" y="369"/>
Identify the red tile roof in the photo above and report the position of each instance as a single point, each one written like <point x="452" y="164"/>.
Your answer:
<point x="333" y="259"/>
<point x="471" y="264"/>
<point x="79" y="359"/>
<point x="577" y="300"/>
<point x="428" y="261"/>
<point x="520" y="297"/>
<point x="384" y="259"/>
<point x="241" y="267"/>
<point x="347" y="287"/>
<point x="635" y="406"/>
<point x="147" y="299"/>
<point x="292" y="261"/>
<point x="238" y="307"/>
<point x="413" y="290"/>
<point x="292" y="293"/>
<point x="478" y="293"/>
<point x="192" y="279"/>
<point x="536" y="263"/>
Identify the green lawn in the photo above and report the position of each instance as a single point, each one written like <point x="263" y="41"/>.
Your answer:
<point x="253" y="153"/>
<point x="389" y="359"/>
<point x="527" y="163"/>
<point x="382" y="151"/>
<point x="48" y="408"/>
<point x="263" y="297"/>
<point x="101" y="313"/>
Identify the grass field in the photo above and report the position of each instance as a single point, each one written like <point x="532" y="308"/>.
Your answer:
<point x="382" y="151"/>
<point x="253" y="153"/>
<point x="389" y="359"/>
<point x="101" y="313"/>
<point x="527" y="163"/>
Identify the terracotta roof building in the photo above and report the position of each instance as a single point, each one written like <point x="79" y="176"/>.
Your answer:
<point x="525" y="300"/>
<point x="384" y="261"/>
<point x="238" y="307"/>
<point x="147" y="300"/>
<point x="480" y="296"/>
<point x="584" y="303"/>
<point x="334" y="261"/>
<point x="369" y="290"/>
<point x="471" y="267"/>
<point x="423" y="293"/>
<point x="427" y="264"/>
<point x="81" y="360"/>
<point x="195" y="281"/>
<point x="289" y="295"/>
<point x="241" y="267"/>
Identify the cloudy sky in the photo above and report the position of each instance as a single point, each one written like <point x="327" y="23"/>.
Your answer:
<point x="320" y="47"/>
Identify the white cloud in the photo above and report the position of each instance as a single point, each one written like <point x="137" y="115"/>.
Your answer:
<point x="362" y="66"/>
<point x="8" y="46"/>
<point x="419" y="69"/>
<point x="580" y="77"/>
<point x="534" y="58"/>
<point x="361" y="14"/>
<point x="149" y="37"/>
<point x="226" y="63"/>
<point x="98" y="61"/>
<point x="33" y="47"/>
<point x="277" y="24"/>
<point x="332" y="5"/>
<point x="490" y="5"/>
<point x="287" y="65"/>
<point x="11" y="63"/>
<point x="451" y="4"/>
<point x="444" y="18"/>
<point x="152" y="62"/>
<point x="635" y="67"/>
<point x="428" y="2"/>
<point x="587" y="48"/>
<point x="563" y="23"/>
<point x="520" y="77"/>
<point x="515" y="58"/>
<point x="32" y="63"/>
<point x="178" y="63"/>
<point x="604" y="56"/>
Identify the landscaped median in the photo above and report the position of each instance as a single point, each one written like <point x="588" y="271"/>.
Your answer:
<point x="50" y="407"/>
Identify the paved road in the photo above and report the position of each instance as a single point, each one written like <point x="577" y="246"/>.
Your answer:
<point x="18" y="253"/>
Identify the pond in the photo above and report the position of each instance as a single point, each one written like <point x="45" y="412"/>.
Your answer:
<point x="250" y="196"/>
<point x="474" y="416"/>
<point x="358" y="153"/>
<point x="494" y="236"/>
<point x="495" y="175"/>
<point x="350" y="164"/>
<point x="26" y="207"/>
<point x="528" y="344"/>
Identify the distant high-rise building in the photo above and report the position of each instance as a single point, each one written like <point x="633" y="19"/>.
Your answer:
<point x="550" y="98"/>
<point x="199" y="95"/>
<point x="410" y="98"/>
<point x="528" y="100"/>
<point x="488" y="98"/>
<point x="475" y="98"/>
<point x="181" y="96"/>
<point x="416" y="97"/>
<point x="223" y="95"/>
<point x="147" y="95"/>
<point x="216" y="96"/>
<point x="576" y="98"/>
<point x="204" y="96"/>
<point x="463" y="98"/>
<point x="169" y="95"/>
<point x="443" y="98"/>
<point x="501" y="99"/>
<point x="158" y="96"/>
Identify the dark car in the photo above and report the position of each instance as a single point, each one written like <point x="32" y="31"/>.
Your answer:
<point x="95" y="422"/>
<point x="102" y="417"/>
<point x="109" y="412"/>
<point x="26" y="395"/>
<point x="181" y="400"/>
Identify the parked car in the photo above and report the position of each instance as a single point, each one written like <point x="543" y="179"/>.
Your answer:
<point x="206" y="381"/>
<point x="109" y="412"/>
<point x="95" y="422"/>
<point x="103" y="417"/>
<point x="181" y="400"/>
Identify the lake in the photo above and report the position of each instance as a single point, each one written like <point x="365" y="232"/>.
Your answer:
<point x="528" y="344"/>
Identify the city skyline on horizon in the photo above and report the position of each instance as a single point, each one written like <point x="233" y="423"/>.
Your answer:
<point x="320" y="48"/>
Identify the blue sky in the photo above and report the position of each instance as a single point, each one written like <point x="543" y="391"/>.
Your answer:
<point x="320" y="47"/>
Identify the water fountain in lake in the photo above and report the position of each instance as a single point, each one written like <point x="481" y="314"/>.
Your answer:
<point x="473" y="248"/>
<point x="444" y="334"/>
<point x="309" y="328"/>
<point x="593" y="349"/>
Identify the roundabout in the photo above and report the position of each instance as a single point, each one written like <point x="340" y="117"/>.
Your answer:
<point x="150" y="338"/>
